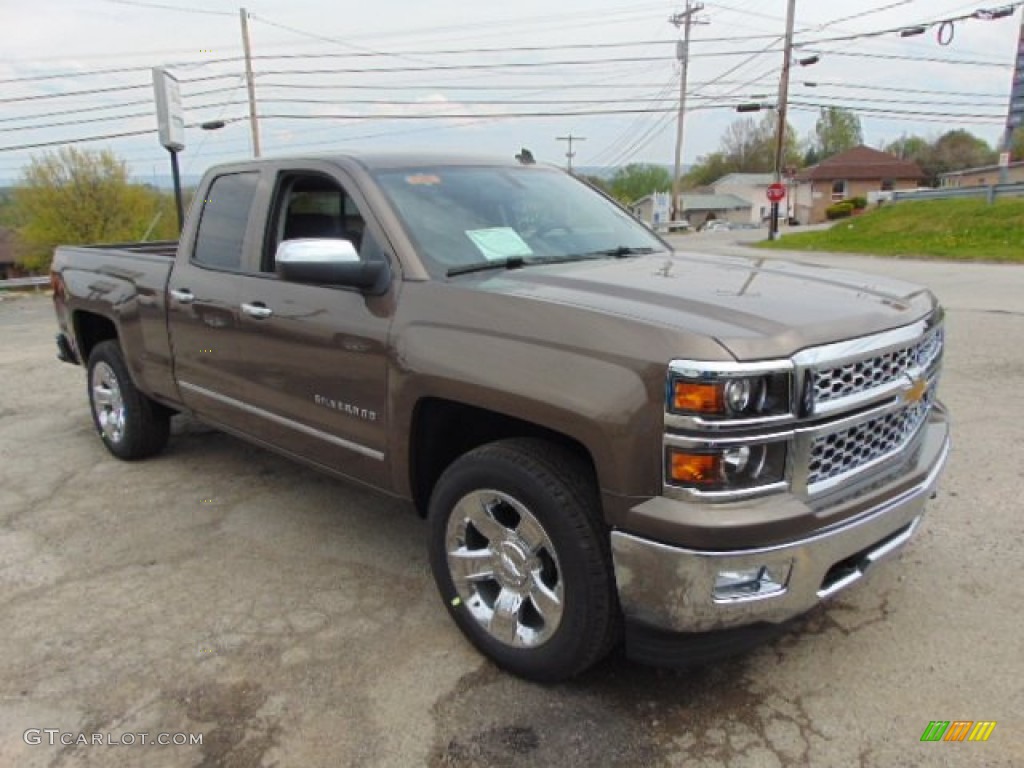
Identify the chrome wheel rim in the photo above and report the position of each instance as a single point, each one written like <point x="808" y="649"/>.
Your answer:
<point x="505" y="568"/>
<point x="107" y="402"/>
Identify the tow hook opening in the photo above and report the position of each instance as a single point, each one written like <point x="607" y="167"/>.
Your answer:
<point x="854" y="567"/>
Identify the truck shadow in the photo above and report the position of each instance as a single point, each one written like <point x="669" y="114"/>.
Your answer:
<point x="619" y="713"/>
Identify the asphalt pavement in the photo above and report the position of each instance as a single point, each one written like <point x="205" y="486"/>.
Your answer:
<point x="290" y="619"/>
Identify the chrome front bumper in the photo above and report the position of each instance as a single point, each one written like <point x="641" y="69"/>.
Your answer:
<point x="674" y="589"/>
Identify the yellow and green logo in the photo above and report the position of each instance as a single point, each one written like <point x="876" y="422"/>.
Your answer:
<point x="958" y="730"/>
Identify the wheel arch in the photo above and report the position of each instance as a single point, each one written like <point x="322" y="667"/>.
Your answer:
<point x="442" y="430"/>
<point x="91" y="328"/>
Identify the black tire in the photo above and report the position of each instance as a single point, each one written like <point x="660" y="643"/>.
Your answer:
<point x="556" y="489"/>
<point x="130" y="424"/>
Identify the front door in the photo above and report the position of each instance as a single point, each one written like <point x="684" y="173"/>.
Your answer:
<point x="313" y="359"/>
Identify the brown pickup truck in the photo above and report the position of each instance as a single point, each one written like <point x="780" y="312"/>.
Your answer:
<point x="610" y="441"/>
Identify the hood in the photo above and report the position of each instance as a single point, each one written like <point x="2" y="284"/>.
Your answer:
<point x="757" y="308"/>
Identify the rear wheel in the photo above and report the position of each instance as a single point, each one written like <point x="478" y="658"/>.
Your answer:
<point x="130" y="424"/>
<point x="520" y="555"/>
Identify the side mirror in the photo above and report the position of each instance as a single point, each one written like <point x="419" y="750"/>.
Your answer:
<point x="330" y="262"/>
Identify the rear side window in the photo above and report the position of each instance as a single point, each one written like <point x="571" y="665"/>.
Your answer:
<point x="224" y="219"/>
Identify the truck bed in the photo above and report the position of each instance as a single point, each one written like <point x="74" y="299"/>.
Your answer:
<point x="165" y="248"/>
<point x="126" y="283"/>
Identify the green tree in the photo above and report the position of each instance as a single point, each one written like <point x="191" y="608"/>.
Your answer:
<point x="638" y="179"/>
<point x="913" y="148"/>
<point x="957" y="150"/>
<point x="747" y="146"/>
<point x="597" y="181"/>
<point x="7" y="218"/>
<point x="952" y="151"/>
<point x="837" y="130"/>
<point x="78" y="196"/>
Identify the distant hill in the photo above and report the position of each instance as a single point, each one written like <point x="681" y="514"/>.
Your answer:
<point x="607" y="171"/>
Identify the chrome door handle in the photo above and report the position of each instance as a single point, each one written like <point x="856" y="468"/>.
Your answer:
<point x="258" y="311"/>
<point x="183" y="296"/>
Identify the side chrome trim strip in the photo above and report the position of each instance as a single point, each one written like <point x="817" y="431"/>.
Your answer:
<point x="289" y="423"/>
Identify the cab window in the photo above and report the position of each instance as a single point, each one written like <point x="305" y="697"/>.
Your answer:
<point x="223" y="221"/>
<point x="314" y="206"/>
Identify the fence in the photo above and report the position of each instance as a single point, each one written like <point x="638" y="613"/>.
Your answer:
<point x="990" y="193"/>
<point x="25" y="282"/>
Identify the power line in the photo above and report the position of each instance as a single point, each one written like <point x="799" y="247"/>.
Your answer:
<point x="908" y="113"/>
<point x="372" y="70"/>
<point x="896" y="30"/>
<point x="862" y="14"/>
<point x="109" y="89"/>
<point x="911" y="102"/>
<point x="459" y="116"/>
<point x="118" y="105"/>
<point x="613" y="146"/>
<point x="162" y="7"/>
<point x="896" y="89"/>
<point x="897" y="57"/>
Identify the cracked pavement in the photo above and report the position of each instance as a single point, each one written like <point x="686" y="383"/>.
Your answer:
<point x="291" y="619"/>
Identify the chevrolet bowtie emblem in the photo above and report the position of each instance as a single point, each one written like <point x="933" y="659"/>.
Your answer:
<point x="916" y="392"/>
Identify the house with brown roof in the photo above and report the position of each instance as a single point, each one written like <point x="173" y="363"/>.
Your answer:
<point x="859" y="172"/>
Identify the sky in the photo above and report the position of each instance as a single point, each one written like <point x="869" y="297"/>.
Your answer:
<point x="451" y="75"/>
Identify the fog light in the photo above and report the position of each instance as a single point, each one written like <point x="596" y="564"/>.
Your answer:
<point x="749" y="583"/>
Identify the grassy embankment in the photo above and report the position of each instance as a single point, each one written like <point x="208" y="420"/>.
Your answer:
<point x="962" y="230"/>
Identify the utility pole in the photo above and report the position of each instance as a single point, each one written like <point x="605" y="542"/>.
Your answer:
<point x="251" y="83"/>
<point x="783" y="108"/>
<point x="684" y="20"/>
<point x="1015" y="112"/>
<point x="569" y="154"/>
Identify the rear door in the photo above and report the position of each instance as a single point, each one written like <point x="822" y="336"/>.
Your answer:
<point x="312" y="359"/>
<point x="203" y="300"/>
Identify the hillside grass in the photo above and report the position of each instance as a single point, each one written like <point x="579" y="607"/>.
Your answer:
<point x="961" y="230"/>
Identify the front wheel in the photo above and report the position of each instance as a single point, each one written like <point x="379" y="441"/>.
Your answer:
<point x="130" y="424"/>
<point x="520" y="555"/>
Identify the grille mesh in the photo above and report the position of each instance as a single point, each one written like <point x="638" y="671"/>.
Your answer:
<point x="864" y="375"/>
<point x="841" y="452"/>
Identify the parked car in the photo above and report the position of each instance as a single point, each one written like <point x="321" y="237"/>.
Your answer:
<point x="610" y="442"/>
<point x="714" y="225"/>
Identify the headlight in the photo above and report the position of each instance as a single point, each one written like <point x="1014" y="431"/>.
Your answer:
<point x="733" y="468"/>
<point x="719" y="396"/>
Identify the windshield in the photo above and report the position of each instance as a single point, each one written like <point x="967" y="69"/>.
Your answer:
<point x="464" y="216"/>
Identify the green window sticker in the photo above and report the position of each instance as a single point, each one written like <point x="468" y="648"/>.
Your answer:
<point x="499" y="243"/>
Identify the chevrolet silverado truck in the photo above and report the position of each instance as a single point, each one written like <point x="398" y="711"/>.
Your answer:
<point x="612" y="443"/>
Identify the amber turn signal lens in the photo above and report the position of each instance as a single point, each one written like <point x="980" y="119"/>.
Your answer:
<point x="694" y="468"/>
<point x="697" y="398"/>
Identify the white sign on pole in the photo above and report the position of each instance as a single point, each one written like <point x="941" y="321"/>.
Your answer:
<point x="170" y="117"/>
<point x="1004" y="159"/>
<point x="662" y="202"/>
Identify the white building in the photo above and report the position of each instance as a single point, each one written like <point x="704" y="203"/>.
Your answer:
<point x="751" y="187"/>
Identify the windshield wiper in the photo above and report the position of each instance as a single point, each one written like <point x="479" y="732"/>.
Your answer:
<point x="512" y="262"/>
<point x="618" y="252"/>
<point x="516" y="262"/>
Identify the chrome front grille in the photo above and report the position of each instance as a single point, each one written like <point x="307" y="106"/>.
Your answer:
<point x="861" y="376"/>
<point x="835" y="454"/>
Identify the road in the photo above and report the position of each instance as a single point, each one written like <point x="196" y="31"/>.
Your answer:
<point x="291" y="620"/>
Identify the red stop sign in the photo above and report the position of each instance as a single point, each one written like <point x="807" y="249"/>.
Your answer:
<point x="776" y="192"/>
